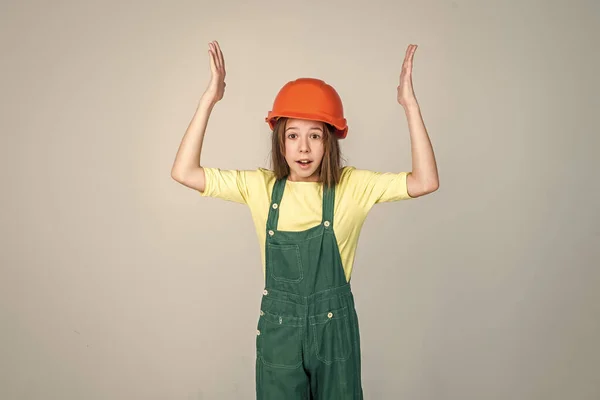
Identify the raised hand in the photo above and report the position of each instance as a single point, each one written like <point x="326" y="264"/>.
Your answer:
<point x="216" y="87"/>
<point x="406" y="94"/>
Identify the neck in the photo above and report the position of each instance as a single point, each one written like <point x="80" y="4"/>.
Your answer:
<point x="294" y="178"/>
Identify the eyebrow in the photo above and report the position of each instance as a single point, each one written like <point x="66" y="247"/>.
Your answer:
<point x="295" y="127"/>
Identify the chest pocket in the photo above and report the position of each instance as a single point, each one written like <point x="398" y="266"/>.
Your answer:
<point x="285" y="262"/>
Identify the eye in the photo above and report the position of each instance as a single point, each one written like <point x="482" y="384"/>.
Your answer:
<point x="316" y="136"/>
<point x="291" y="136"/>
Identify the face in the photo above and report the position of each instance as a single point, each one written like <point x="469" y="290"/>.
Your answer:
<point x="304" y="149"/>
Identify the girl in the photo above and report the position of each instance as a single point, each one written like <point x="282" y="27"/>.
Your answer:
<point x="308" y="212"/>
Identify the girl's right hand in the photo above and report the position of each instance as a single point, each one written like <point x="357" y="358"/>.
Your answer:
<point x="216" y="88"/>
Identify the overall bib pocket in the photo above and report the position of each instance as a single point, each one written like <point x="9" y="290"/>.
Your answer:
<point x="285" y="262"/>
<point x="332" y="335"/>
<point x="279" y="341"/>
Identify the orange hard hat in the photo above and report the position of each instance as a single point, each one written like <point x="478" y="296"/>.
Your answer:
<point x="309" y="98"/>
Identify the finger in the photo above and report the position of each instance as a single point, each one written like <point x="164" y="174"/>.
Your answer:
<point x="411" y="52"/>
<point x="215" y="50"/>
<point x="221" y="58"/>
<point x="405" y="71"/>
<point x="217" y="56"/>
<point x="406" y="63"/>
<point x="213" y="65"/>
<point x="218" y="49"/>
<point x="409" y="60"/>
<point x="407" y="54"/>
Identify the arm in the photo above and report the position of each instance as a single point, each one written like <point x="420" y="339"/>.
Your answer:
<point x="424" y="176"/>
<point x="187" y="168"/>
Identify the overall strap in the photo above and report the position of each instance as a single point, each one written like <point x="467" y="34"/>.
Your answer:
<point x="276" y="196"/>
<point x="328" y="204"/>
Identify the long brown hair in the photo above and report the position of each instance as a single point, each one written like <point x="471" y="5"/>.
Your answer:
<point x="331" y="164"/>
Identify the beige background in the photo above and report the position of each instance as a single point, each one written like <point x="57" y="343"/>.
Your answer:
<point x="116" y="282"/>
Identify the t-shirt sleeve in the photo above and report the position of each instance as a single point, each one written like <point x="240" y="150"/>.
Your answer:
<point x="371" y="187"/>
<point x="231" y="185"/>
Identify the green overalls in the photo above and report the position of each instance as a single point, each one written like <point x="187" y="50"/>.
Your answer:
<point x="308" y="342"/>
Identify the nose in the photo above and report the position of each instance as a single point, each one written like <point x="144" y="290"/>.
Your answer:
<point x="304" y="145"/>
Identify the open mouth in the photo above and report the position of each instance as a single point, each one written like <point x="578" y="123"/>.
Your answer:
<point x="304" y="163"/>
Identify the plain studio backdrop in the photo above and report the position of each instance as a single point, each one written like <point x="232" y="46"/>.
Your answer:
<point x="117" y="282"/>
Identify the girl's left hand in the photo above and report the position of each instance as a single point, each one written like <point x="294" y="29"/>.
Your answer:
<point x="406" y="94"/>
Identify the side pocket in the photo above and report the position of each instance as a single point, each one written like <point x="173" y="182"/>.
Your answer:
<point x="285" y="262"/>
<point x="332" y="335"/>
<point x="278" y="341"/>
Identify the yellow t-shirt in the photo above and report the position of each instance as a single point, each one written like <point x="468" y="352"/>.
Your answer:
<point x="301" y="205"/>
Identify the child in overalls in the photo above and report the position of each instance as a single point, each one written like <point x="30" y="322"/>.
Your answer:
<point x="308" y="211"/>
